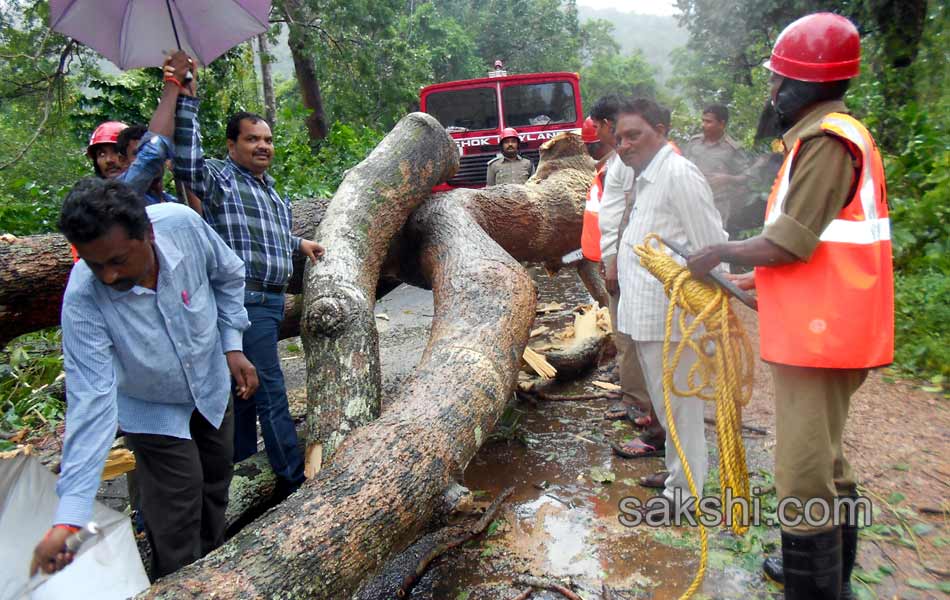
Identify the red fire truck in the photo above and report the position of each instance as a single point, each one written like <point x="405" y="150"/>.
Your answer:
<point x="539" y="105"/>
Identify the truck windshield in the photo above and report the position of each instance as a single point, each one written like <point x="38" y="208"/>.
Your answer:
<point x="464" y="110"/>
<point x="538" y="104"/>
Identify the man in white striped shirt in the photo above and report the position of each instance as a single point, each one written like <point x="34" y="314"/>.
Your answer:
<point x="674" y="201"/>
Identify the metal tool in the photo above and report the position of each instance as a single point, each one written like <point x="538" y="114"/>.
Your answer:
<point x="72" y="544"/>
<point x="730" y="288"/>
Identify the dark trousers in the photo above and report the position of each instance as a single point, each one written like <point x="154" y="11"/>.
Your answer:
<point x="183" y="490"/>
<point x="269" y="404"/>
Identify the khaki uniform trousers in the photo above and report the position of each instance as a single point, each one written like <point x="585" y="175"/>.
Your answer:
<point x="632" y="383"/>
<point x="811" y="408"/>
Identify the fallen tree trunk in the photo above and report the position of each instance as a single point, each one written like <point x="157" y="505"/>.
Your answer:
<point x="34" y="271"/>
<point x="339" y="329"/>
<point x="383" y="484"/>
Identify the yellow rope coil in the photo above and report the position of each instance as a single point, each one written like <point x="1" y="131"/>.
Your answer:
<point x="723" y="373"/>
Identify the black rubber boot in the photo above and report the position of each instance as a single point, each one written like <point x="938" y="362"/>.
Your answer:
<point x="772" y="566"/>
<point x="811" y="565"/>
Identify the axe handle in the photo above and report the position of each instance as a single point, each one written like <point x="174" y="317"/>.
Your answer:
<point x="730" y="288"/>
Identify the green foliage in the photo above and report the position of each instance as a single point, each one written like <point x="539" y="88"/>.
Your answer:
<point x="30" y="363"/>
<point x="922" y="314"/>
<point x="301" y="173"/>
<point x="613" y="74"/>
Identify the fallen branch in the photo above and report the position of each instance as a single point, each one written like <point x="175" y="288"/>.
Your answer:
<point x="525" y="594"/>
<point x="546" y="584"/>
<point x="479" y="527"/>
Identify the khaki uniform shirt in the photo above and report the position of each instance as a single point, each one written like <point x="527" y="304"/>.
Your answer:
<point x="722" y="157"/>
<point x="821" y="183"/>
<point x="503" y="170"/>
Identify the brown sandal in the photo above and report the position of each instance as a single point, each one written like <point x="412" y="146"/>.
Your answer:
<point x="637" y="448"/>
<point x="656" y="480"/>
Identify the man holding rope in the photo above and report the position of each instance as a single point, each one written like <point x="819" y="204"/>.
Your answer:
<point x="824" y="280"/>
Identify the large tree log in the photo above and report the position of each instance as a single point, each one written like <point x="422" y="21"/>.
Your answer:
<point x="383" y="484"/>
<point x="386" y="479"/>
<point x="34" y="271"/>
<point x="339" y="329"/>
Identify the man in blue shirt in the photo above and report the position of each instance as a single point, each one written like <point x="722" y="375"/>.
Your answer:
<point x="152" y="319"/>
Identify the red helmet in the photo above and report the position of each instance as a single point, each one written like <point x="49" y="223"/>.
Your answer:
<point x="589" y="132"/>
<point x="509" y="132"/>
<point x="817" y="48"/>
<point x="105" y="133"/>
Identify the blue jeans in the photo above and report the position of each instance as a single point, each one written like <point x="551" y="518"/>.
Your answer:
<point x="269" y="404"/>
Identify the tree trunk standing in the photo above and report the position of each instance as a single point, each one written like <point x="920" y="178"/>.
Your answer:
<point x="302" y="44"/>
<point x="387" y="476"/>
<point x="33" y="275"/>
<point x="267" y="80"/>
<point x="339" y="328"/>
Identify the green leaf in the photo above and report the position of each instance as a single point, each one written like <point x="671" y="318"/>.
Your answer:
<point x="896" y="498"/>
<point x="463" y="595"/>
<point x="922" y="528"/>
<point x="920" y="584"/>
<point x="602" y="475"/>
<point x="493" y="527"/>
<point x="901" y="467"/>
<point x="944" y="586"/>
<point x="933" y="389"/>
<point x="873" y="577"/>
<point x="886" y="569"/>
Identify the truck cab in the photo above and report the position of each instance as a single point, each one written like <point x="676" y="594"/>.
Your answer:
<point x="475" y="111"/>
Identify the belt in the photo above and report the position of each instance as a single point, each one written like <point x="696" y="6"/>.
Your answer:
<point x="259" y="286"/>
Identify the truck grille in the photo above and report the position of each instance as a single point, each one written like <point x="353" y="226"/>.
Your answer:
<point x="473" y="168"/>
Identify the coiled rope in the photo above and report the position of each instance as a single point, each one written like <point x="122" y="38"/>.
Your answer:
<point x="723" y="373"/>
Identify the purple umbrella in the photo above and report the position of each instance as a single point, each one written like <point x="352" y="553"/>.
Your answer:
<point x="139" y="33"/>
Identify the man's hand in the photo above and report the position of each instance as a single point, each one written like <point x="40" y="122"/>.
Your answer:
<point x="704" y="261"/>
<point x="312" y="250"/>
<point x="50" y="554"/>
<point x="743" y="281"/>
<point x="244" y="373"/>
<point x="610" y="275"/>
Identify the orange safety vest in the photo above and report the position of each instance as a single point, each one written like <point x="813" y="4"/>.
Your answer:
<point x="590" y="234"/>
<point x="836" y="310"/>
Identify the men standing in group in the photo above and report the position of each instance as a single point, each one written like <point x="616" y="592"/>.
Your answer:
<point x="152" y="322"/>
<point x="510" y="167"/>
<point x="618" y="185"/>
<point x="720" y="159"/>
<point x="240" y="201"/>
<point x="825" y="287"/>
<point x="674" y="201"/>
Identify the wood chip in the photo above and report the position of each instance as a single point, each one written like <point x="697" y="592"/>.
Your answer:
<point x="537" y="362"/>
<point x="604" y="385"/>
<point x="549" y="307"/>
<point x="119" y="462"/>
<point x="539" y="331"/>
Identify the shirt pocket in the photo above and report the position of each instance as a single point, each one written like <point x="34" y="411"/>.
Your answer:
<point x="200" y="316"/>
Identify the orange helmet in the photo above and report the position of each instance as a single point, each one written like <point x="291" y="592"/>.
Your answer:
<point x="589" y="132"/>
<point x="105" y="133"/>
<point x="817" y="48"/>
<point x="508" y="132"/>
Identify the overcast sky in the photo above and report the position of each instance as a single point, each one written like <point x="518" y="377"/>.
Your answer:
<point x="644" y="7"/>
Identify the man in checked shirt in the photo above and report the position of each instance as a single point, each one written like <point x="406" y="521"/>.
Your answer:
<point x="240" y="202"/>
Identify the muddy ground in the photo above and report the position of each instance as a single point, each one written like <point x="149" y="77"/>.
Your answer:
<point x="561" y="522"/>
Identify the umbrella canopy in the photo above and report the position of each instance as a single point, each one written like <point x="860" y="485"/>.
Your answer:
<point x="138" y="33"/>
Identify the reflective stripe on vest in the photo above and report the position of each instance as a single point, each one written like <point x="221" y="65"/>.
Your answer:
<point x="835" y="310"/>
<point x="590" y="234"/>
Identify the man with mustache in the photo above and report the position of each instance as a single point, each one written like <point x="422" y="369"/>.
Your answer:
<point x="240" y="201"/>
<point x="152" y="323"/>
<point x="673" y="200"/>
<point x="510" y="167"/>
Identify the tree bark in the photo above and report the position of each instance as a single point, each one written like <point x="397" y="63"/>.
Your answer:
<point x="267" y="80"/>
<point x="302" y="44"/>
<point x="339" y="329"/>
<point x="384" y="482"/>
<point x="387" y="477"/>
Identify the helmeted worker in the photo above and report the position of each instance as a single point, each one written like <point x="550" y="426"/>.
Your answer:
<point x="509" y="167"/>
<point x="102" y="150"/>
<point x="590" y="234"/>
<point x="824" y="278"/>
